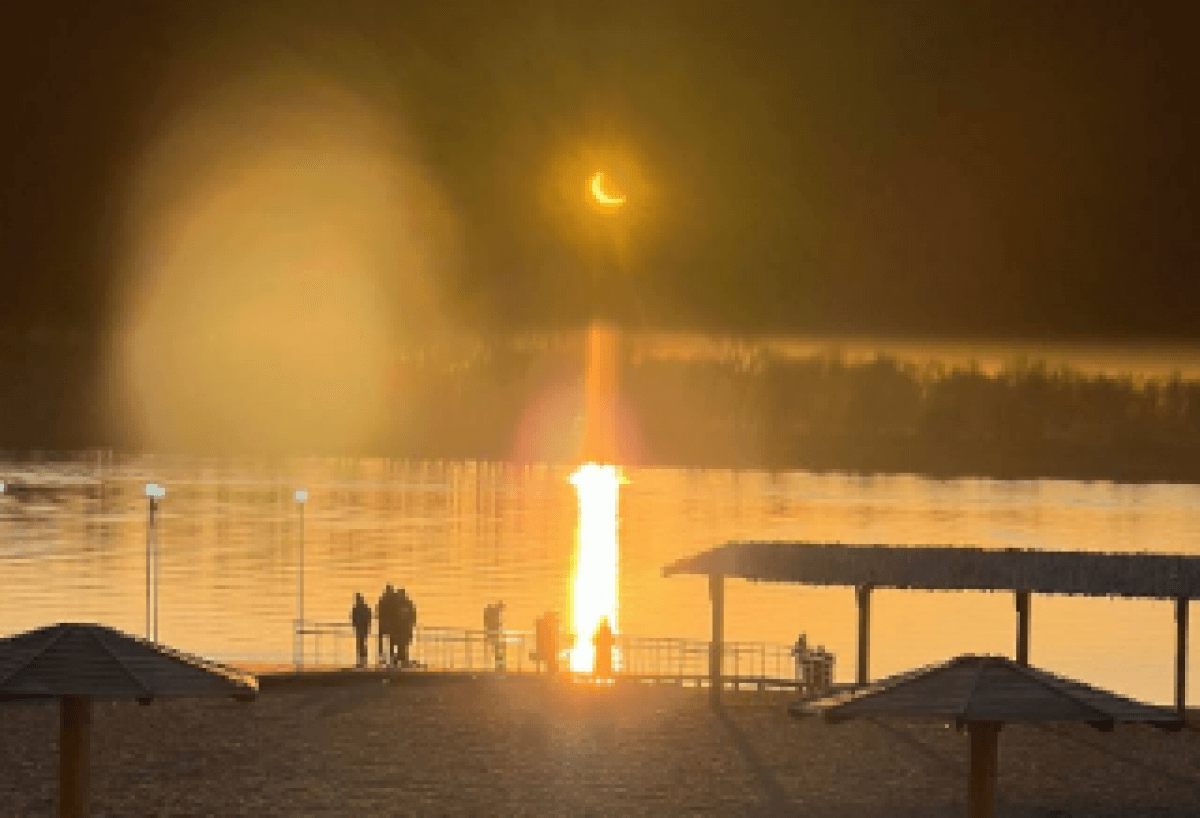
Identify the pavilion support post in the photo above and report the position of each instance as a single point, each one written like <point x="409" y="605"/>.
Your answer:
<point x="981" y="790"/>
<point x="863" y="595"/>
<point x="716" y="647"/>
<point x="1181" y="634"/>
<point x="1023" y="628"/>
<point x="74" y="751"/>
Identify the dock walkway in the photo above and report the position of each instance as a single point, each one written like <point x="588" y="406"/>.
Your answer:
<point x="325" y="653"/>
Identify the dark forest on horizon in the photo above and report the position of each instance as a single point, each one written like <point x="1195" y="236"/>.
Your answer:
<point x="761" y="410"/>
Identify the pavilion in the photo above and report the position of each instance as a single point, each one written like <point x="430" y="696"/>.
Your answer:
<point x="947" y="568"/>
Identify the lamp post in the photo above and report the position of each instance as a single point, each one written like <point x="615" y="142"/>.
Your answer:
<point x="154" y="493"/>
<point x="301" y="497"/>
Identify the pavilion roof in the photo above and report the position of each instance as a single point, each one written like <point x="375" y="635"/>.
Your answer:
<point x="1153" y="576"/>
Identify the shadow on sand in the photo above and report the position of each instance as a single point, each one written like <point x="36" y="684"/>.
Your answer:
<point x="1106" y="749"/>
<point x="777" y="800"/>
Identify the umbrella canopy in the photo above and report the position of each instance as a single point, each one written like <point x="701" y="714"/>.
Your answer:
<point x="993" y="689"/>
<point x="78" y="662"/>
<point x="99" y="662"/>
<point x="983" y="693"/>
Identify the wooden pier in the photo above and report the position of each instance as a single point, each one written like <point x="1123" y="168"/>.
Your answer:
<point x="332" y="676"/>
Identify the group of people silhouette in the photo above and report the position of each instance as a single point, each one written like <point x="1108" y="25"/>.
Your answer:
<point x="395" y="617"/>
<point x="396" y="621"/>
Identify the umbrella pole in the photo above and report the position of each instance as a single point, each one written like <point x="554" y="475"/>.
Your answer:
<point x="74" y="750"/>
<point x="981" y="793"/>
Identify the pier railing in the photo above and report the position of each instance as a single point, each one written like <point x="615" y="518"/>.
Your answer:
<point x="331" y="644"/>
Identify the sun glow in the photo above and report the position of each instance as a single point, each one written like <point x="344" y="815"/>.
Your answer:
<point x="594" y="595"/>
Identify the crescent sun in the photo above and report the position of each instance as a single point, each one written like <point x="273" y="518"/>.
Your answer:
<point x="603" y="196"/>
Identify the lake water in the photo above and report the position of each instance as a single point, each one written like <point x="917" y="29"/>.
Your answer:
<point x="460" y="535"/>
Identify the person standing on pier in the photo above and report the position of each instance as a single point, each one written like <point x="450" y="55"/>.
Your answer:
<point x="493" y="628"/>
<point x="801" y="654"/>
<point x="547" y="634"/>
<point x="603" y="640"/>
<point x="360" y="618"/>
<point x="386" y="617"/>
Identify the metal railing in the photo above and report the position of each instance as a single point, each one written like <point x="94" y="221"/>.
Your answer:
<point x="449" y="648"/>
<point x="338" y="641"/>
<point x="434" y="647"/>
<point x="329" y="644"/>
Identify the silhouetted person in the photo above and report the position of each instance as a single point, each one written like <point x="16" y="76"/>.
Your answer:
<point x="547" y="633"/>
<point x="493" y="627"/>
<point x="386" y="616"/>
<point x="360" y="618"/>
<point x="406" y="624"/>
<point x="800" y="651"/>
<point x="603" y="640"/>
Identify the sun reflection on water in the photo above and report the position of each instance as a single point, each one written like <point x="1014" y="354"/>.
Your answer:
<point x="594" y="593"/>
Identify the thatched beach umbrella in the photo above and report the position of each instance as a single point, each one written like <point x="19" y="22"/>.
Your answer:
<point x="78" y="663"/>
<point x="982" y="693"/>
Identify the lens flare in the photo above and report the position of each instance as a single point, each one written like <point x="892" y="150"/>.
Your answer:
<point x="281" y="243"/>
<point x="595" y="591"/>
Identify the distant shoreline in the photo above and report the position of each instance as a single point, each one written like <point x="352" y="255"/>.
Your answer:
<point x="892" y="464"/>
<point x="884" y="464"/>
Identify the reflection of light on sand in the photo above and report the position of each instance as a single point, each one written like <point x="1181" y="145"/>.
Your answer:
<point x="594" y="595"/>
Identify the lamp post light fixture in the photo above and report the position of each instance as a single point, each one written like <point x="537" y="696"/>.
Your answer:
<point x="301" y="497"/>
<point x="154" y="494"/>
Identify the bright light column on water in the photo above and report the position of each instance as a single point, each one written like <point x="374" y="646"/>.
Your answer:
<point x="595" y="590"/>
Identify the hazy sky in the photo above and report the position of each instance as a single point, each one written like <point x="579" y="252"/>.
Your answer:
<point x="925" y="169"/>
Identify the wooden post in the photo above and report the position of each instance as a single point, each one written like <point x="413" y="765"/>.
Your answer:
<point x="1181" y="629"/>
<point x="863" y="596"/>
<point x="981" y="791"/>
<point x="149" y="569"/>
<point x="1023" y="628"/>
<point x="74" y="749"/>
<point x="716" y="646"/>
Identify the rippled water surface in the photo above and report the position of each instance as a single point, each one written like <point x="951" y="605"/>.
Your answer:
<point x="460" y="535"/>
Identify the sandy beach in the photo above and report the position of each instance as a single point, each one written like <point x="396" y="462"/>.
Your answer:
<point x="523" y="747"/>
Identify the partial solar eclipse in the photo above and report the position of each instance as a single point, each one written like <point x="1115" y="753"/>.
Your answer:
<point x="602" y="195"/>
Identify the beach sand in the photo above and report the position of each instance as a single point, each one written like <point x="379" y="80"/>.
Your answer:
<point x="525" y="747"/>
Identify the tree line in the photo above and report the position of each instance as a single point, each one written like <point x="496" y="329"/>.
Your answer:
<point x="760" y="410"/>
<point x="826" y="413"/>
<point x="885" y="415"/>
